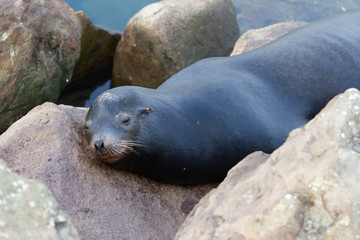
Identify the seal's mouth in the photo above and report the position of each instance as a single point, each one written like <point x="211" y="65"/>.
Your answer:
<point x="109" y="158"/>
<point x="112" y="153"/>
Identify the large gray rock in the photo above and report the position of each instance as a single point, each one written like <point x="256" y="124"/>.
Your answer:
<point x="167" y="36"/>
<point x="48" y="145"/>
<point x="307" y="189"/>
<point x="256" y="38"/>
<point x="40" y="43"/>
<point x="29" y="211"/>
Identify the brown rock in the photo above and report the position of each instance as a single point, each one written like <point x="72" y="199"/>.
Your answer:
<point x="256" y="38"/>
<point x="307" y="189"/>
<point x="167" y="36"/>
<point x="103" y="203"/>
<point x="97" y="49"/>
<point x="40" y="43"/>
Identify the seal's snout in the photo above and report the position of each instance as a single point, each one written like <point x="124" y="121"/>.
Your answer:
<point x="99" y="146"/>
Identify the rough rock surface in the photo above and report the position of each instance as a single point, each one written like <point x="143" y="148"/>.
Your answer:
<point x="307" y="189"/>
<point x="256" y="38"/>
<point x="29" y="211"/>
<point x="167" y="36"/>
<point x="40" y="43"/>
<point x="48" y="145"/>
<point x="97" y="49"/>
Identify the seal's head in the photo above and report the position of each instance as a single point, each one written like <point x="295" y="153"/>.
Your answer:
<point x="112" y="125"/>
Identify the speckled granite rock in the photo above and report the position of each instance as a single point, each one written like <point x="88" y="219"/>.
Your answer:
<point x="307" y="189"/>
<point x="29" y="211"/>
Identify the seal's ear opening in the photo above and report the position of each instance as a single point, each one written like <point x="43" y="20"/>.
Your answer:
<point x="142" y="111"/>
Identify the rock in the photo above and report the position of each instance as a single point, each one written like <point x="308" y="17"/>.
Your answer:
<point x="256" y="38"/>
<point x="167" y="36"/>
<point x="29" y="211"/>
<point x="48" y="145"/>
<point x="40" y="43"/>
<point x="307" y="189"/>
<point x="97" y="50"/>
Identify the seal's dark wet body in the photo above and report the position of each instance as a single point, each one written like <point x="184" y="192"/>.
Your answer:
<point x="209" y="116"/>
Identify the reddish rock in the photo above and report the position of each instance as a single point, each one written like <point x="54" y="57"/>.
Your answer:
<point x="48" y="145"/>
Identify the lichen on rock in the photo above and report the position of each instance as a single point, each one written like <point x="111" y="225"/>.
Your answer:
<point x="29" y="211"/>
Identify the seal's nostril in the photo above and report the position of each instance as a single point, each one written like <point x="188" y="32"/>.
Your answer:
<point x="99" y="146"/>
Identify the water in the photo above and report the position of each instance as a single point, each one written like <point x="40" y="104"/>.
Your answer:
<point x="111" y="14"/>
<point x="114" y="14"/>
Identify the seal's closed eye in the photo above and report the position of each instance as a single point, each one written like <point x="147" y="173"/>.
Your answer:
<point x="126" y="121"/>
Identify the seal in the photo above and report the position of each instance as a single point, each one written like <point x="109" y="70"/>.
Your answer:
<point x="202" y="121"/>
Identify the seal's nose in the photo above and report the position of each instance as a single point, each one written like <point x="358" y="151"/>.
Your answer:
<point x="99" y="146"/>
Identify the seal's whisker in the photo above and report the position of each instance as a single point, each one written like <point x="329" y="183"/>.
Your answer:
<point x="113" y="152"/>
<point x="130" y="149"/>
<point x="136" y="144"/>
